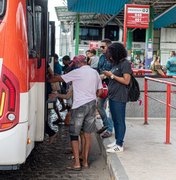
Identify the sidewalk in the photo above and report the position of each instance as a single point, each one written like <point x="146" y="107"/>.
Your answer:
<point x="50" y="162"/>
<point x="145" y="156"/>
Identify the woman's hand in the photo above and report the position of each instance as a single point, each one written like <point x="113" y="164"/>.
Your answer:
<point x="125" y="79"/>
<point x="107" y="73"/>
<point x="102" y="76"/>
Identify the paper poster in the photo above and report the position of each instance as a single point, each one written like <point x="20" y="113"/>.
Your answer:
<point x="150" y="55"/>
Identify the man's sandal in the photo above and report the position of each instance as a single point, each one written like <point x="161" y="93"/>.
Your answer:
<point x="72" y="168"/>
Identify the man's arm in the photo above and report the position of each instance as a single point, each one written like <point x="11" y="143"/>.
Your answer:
<point x="65" y="96"/>
<point x="56" y="79"/>
<point x="61" y="96"/>
<point x="50" y="72"/>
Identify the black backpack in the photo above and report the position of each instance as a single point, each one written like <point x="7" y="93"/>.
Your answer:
<point x="134" y="90"/>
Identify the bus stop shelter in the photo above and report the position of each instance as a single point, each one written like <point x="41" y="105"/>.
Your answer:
<point x="103" y="12"/>
<point x="108" y="10"/>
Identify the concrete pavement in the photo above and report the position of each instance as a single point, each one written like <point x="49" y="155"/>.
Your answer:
<point x="145" y="156"/>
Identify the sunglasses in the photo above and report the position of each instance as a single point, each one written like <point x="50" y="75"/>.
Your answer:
<point x="102" y="47"/>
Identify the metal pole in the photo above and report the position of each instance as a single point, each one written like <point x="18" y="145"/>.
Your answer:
<point x="77" y="35"/>
<point x="145" y="102"/>
<point x="125" y="28"/>
<point x="149" y="41"/>
<point x="129" y="43"/>
<point x="168" y="102"/>
<point x="66" y="42"/>
<point x="129" y="39"/>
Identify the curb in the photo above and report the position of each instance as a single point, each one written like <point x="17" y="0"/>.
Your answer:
<point x="116" y="169"/>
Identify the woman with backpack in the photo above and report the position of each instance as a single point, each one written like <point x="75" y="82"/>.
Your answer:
<point x="119" y="78"/>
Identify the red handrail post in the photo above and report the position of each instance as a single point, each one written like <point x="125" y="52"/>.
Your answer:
<point x="125" y="27"/>
<point x="145" y="101"/>
<point x="168" y="108"/>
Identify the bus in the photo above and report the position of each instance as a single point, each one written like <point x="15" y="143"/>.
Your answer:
<point x="24" y="51"/>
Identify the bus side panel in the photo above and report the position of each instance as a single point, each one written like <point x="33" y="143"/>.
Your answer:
<point x="14" y="143"/>
<point x="16" y="45"/>
<point x="40" y="102"/>
<point x="32" y="109"/>
<point x="40" y="124"/>
<point x="14" y="56"/>
<point x="2" y="38"/>
<point x="37" y="98"/>
<point x="11" y="138"/>
<point x="18" y="142"/>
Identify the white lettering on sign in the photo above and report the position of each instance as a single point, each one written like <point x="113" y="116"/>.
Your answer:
<point x="138" y="10"/>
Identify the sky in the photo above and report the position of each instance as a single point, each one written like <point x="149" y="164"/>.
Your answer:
<point x="53" y="17"/>
<point x="51" y="5"/>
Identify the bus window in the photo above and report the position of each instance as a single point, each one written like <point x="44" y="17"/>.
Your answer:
<point x="2" y="7"/>
<point x="31" y="30"/>
<point x="38" y="22"/>
<point x="51" y="38"/>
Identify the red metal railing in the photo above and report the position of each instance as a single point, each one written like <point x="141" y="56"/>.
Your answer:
<point x="168" y="103"/>
<point x="141" y="71"/>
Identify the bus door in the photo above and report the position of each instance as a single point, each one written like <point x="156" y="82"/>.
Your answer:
<point x="37" y="12"/>
<point x="41" y="26"/>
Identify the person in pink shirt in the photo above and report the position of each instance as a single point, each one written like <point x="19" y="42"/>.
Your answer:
<point x="86" y="87"/>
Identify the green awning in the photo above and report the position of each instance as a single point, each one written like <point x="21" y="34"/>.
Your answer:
<point x="166" y="18"/>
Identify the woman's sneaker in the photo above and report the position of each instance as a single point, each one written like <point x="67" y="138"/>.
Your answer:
<point x="114" y="149"/>
<point x="111" y="145"/>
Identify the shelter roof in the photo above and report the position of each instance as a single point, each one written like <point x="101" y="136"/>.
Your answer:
<point x="104" y="11"/>
<point x="168" y="17"/>
<point x="97" y="6"/>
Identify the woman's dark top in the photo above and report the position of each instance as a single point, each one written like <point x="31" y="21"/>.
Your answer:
<point x="117" y="91"/>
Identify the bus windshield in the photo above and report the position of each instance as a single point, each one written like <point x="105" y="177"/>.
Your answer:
<point x="2" y="7"/>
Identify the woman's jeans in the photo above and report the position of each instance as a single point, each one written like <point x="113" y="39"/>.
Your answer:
<point x="118" y="116"/>
<point x="107" y="121"/>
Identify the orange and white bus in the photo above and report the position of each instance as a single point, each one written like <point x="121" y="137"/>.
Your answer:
<point x="24" y="45"/>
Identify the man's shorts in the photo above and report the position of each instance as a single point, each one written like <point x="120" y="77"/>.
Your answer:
<point x="83" y="118"/>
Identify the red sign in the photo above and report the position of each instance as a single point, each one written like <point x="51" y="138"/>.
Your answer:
<point x="137" y="16"/>
<point x="93" y="45"/>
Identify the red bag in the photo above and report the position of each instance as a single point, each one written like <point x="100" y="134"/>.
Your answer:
<point x="105" y="91"/>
